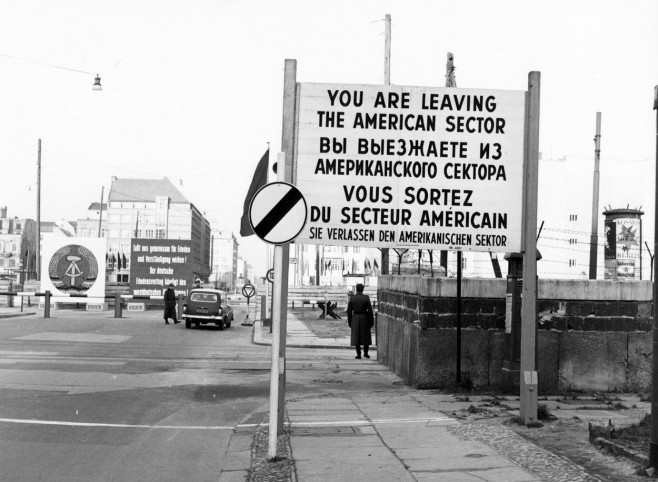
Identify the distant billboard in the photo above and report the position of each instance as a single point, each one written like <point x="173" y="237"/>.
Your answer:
<point x="623" y="244"/>
<point x="155" y="263"/>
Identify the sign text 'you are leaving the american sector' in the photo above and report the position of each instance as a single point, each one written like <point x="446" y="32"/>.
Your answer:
<point x="392" y="166"/>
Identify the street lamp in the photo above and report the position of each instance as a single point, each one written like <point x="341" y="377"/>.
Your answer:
<point x="97" y="83"/>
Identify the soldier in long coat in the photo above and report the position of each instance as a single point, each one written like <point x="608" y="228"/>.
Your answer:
<point x="170" y="304"/>
<point x="361" y="319"/>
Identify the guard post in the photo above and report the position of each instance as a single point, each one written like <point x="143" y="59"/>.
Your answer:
<point x="511" y="371"/>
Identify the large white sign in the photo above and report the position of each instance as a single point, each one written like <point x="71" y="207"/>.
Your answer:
<point x="74" y="266"/>
<point x="416" y="167"/>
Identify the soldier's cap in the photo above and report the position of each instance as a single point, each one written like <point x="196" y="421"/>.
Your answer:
<point x="171" y="285"/>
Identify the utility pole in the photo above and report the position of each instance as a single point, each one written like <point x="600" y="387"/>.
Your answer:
<point x="593" y="243"/>
<point x="387" y="81"/>
<point x="450" y="82"/>
<point x="100" y="218"/>
<point x="38" y="248"/>
<point x="653" y="444"/>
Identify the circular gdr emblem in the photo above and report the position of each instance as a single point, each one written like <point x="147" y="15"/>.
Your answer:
<point x="73" y="269"/>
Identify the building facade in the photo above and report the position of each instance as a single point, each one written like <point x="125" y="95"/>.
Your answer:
<point x="224" y="271"/>
<point x="152" y="208"/>
<point x="17" y="248"/>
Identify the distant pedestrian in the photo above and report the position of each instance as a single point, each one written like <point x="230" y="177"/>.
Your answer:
<point x="170" y="304"/>
<point x="197" y="284"/>
<point x="361" y="319"/>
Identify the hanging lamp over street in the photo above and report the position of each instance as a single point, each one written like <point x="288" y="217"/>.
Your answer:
<point x="97" y="83"/>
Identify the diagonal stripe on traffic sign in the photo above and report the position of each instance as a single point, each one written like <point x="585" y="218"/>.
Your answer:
<point x="277" y="213"/>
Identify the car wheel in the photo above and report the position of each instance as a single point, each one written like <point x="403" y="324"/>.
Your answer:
<point x="197" y="324"/>
<point x="220" y="325"/>
<point x="228" y="321"/>
<point x="188" y="324"/>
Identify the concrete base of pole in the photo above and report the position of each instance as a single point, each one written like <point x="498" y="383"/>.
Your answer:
<point x="528" y="390"/>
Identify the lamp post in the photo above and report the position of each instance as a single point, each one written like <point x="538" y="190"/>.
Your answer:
<point x="653" y="444"/>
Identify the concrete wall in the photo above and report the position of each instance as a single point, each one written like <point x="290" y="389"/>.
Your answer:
<point x="592" y="335"/>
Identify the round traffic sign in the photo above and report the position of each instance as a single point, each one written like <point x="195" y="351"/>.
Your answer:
<point x="277" y="213"/>
<point x="270" y="276"/>
<point x="248" y="290"/>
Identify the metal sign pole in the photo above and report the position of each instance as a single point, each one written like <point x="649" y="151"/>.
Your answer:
<point x="278" y="364"/>
<point x="529" y="382"/>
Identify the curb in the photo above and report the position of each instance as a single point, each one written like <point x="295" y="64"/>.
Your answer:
<point x="15" y="315"/>
<point x="619" y="450"/>
<point x="257" y="339"/>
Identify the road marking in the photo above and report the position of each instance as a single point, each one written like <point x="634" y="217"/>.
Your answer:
<point x="29" y="353"/>
<point x="75" y="337"/>
<point x="50" y="361"/>
<point x="111" y="425"/>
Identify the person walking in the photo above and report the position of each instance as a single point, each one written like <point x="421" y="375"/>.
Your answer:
<point x="360" y="319"/>
<point x="170" y="304"/>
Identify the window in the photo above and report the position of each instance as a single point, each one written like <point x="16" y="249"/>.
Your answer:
<point x="204" y="297"/>
<point x="573" y="217"/>
<point x="11" y="263"/>
<point x="572" y="262"/>
<point x="573" y="241"/>
<point x="464" y="262"/>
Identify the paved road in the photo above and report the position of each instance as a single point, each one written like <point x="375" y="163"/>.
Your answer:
<point x="86" y="396"/>
<point x="89" y="397"/>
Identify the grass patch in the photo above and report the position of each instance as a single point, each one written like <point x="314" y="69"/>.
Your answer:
<point x="635" y="437"/>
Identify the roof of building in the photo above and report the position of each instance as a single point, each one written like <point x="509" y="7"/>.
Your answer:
<point x="144" y="190"/>
<point x="47" y="226"/>
<point x="97" y="207"/>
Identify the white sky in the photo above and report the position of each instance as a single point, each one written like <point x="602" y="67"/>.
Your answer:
<point x="192" y="90"/>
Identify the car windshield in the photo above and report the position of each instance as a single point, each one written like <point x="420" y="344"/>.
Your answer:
<point x="204" y="297"/>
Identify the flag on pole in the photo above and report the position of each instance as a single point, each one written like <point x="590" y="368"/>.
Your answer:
<point x="259" y="180"/>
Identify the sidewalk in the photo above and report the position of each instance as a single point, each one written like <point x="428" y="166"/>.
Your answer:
<point x="363" y="436"/>
<point x="298" y="335"/>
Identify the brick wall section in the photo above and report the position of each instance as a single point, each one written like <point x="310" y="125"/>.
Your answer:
<point x="600" y="343"/>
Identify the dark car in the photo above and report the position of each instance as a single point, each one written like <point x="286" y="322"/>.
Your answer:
<point x="206" y="305"/>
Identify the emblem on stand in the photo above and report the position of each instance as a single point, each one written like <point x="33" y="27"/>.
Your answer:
<point x="73" y="269"/>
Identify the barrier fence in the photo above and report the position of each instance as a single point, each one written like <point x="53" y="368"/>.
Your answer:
<point x="118" y="300"/>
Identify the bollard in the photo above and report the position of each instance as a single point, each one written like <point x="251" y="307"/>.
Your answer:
<point x="46" y="306"/>
<point x="179" y="311"/>
<point x="118" y="307"/>
<point x="22" y="304"/>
